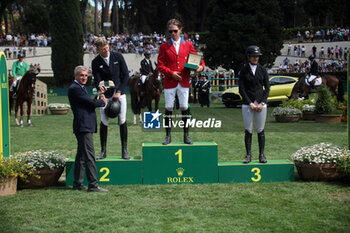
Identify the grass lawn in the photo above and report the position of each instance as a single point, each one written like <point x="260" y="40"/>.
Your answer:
<point x="264" y="207"/>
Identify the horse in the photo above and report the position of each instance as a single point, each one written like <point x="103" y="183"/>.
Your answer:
<point x="25" y="93"/>
<point x="153" y="90"/>
<point x="331" y="81"/>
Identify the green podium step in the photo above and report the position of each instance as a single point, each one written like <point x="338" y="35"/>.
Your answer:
<point x="111" y="171"/>
<point x="272" y="171"/>
<point x="179" y="163"/>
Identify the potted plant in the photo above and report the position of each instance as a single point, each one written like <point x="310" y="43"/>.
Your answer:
<point x="49" y="165"/>
<point x="10" y="169"/>
<point x="286" y="114"/>
<point x="326" y="107"/>
<point x="308" y="109"/>
<point x="319" y="162"/>
<point x="343" y="166"/>
<point x="308" y="112"/>
<point x="59" y="108"/>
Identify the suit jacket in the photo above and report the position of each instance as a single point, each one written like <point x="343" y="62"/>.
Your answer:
<point x="254" y="87"/>
<point x="117" y="71"/>
<point x="146" y="67"/>
<point x="169" y="61"/>
<point x="83" y="108"/>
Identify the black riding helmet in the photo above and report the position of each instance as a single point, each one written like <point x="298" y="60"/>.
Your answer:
<point x="253" y="50"/>
<point x="112" y="109"/>
<point x="312" y="57"/>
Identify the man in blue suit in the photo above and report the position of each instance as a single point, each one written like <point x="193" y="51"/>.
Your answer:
<point x="84" y="125"/>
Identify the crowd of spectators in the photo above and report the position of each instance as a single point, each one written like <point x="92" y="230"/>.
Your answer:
<point x="29" y="40"/>
<point x="337" y="52"/>
<point x="303" y="67"/>
<point x="330" y="35"/>
<point x="135" y="43"/>
<point x="23" y="44"/>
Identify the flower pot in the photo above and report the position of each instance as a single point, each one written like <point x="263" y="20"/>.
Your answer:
<point x="318" y="172"/>
<point x="59" y="111"/>
<point x="47" y="178"/>
<point x="309" y="116"/>
<point x="331" y="118"/>
<point x="287" y="118"/>
<point x="9" y="187"/>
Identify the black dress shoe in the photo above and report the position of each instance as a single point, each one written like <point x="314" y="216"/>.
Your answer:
<point x="167" y="140"/>
<point x="79" y="188"/>
<point x="97" y="189"/>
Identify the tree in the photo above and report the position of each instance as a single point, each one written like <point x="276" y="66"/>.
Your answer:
<point x="115" y="17"/>
<point x="83" y="6"/>
<point x="67" y="39"/>
<point x="234" y="25"/>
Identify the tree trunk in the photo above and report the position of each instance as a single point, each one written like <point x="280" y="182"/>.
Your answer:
<point x="96" y="18"/>
<point x="105" y="13"/>
<point x="6" y="23"/>
<point x="83" y="14"/>
<point x="115" y="17"/>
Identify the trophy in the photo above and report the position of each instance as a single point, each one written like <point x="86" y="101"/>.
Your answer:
<point x="107" y="84"/>
<point x="193" y="61"/>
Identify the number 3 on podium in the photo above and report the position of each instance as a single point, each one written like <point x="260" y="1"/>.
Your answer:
<point x="257" y="174"/>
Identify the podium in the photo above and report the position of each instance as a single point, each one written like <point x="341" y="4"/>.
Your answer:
<point x="113" y="170"/>
<point x="254" y="172"/>
<point x="179" y="163"/>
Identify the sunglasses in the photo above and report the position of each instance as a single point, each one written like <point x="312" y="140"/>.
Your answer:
<point x="171" y="31"/>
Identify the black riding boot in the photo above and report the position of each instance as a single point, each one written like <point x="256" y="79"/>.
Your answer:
<point x="124" y="140"/>
<point x="185" y="118"/>
<point x="103" y="140"/>
<point x="14" y="89"/>
<point x="167" y="123"/>
<point x="261" y="140"/>
<point x="248" y="147"/>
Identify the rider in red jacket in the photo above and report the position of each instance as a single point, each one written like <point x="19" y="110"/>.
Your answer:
<point x="171" y="59"/>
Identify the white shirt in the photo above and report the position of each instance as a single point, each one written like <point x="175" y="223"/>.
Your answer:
<point x="106" y="59"/>
<point x="177" y="45"/>
<point x="253" y="68"/>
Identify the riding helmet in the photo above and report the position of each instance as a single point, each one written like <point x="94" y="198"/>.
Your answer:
<point x="147" y="53"/>
<point x="312" y="57"/>
<point x="253" y="50"/>
<point x="112" y="109"/>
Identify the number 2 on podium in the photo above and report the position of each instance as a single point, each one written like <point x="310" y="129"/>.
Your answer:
<point x="179" y="153"/>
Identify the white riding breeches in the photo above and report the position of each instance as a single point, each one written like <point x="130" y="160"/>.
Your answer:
<point x="182" y="94"/>
<point x="248" y="117"/>
<point x="143" y="78"/>
<point x="312" y="77"/>
<point x="122" y="114"/>
<point x="16" y="81"/>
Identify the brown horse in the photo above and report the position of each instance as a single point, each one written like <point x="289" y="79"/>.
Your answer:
<point x="25" y="93"/>
<point x="153" y="90"/>
<point x="331" y="81"/>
